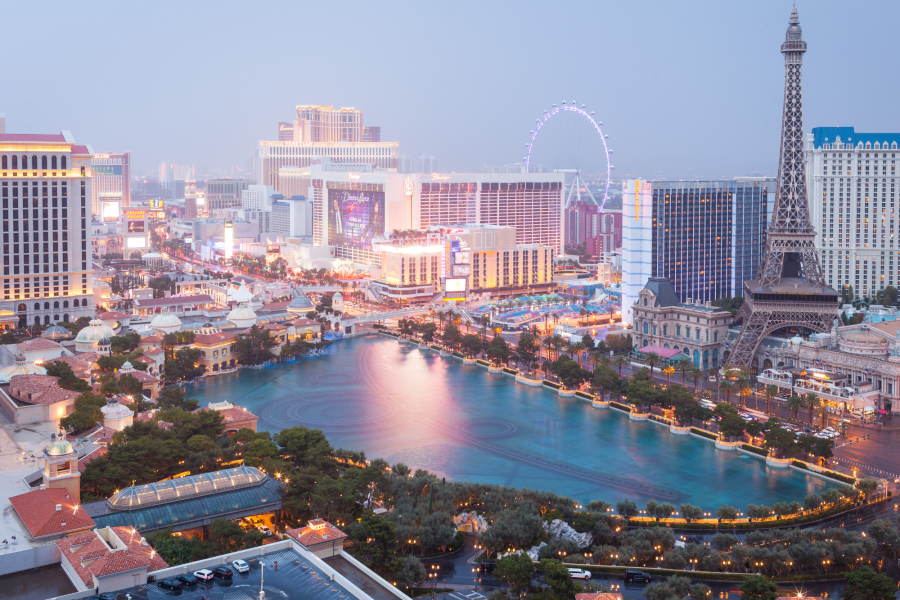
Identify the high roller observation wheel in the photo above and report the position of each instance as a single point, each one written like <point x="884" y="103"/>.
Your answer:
<point x="596" y="125"/>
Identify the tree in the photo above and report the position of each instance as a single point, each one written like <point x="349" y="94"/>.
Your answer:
<point x="727" y="513"/>
<point x="175" y="397"/>
<point x="794" y="404"/>
<point x="626" y="508"/>
<point x="86" y="414"/>
<point x="691" y="512"/>
<point x="771" y="391"/>
<point x="890" y="295"/>
<point x="131" y="385"/>
<point x="67" y="379"/>
<point x="201" y="443"/>
<point x="867" y="486"/>
<point x="651" y="359"/>
<point x="516" y="571"/>
<point x="569" y="372"/>
<point x="743" y="387"/>
<point x="498" y="350"/>
<point x="605" y="380"/>
<point x="184" y="366"/>
<point x="556" y="577"/>
<point x="513" y="529"/>
<point x="124" y="344"/>
<point x="619" y="361"/>
<point x="252" y="347"/>
<point x="471" y="344"/>
<point x="726" y="387"/>
<point x="436" y="532"/>
<point x="527" y="349"/>
<point x="758" y="587"/>
<point x="866" y="584"/>
<point x="812" y="402"/>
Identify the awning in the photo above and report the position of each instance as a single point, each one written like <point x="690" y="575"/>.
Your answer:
<point x="882" y="412"/>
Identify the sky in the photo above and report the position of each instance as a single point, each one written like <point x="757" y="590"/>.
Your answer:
<point x="685" y="89"/>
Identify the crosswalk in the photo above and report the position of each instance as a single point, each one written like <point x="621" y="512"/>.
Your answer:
<point x="464" y="596"/>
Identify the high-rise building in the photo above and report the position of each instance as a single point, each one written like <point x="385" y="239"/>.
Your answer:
<point x="428" y="164"/>
<point x="706" y="237"/>
<point x="224" y="193"/>
<point x="322" y="124"/>
<point x="589" y="224"/>
<point x="285" y="132"/>
<point x="404" y="165"/>
<point x="274" y="155"/>
<point x="371" y="134"/>
<point x="2" y="122"/>
<point x="789" y="290"/>
<point x="350" y="209"/>
<point x="111" y="184"/>
<point x="852" y="177"/>
<point x="46" y="241"/>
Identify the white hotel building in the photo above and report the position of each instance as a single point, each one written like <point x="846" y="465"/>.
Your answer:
<point x="45" y="188"/>
<point x="852" y="181"/>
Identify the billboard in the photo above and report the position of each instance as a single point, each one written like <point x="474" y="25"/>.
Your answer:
<point x="135" y="227"/>
<point x="136" y="242"/>
<point x="156" y="202"/>
<point x="462" y="270"/>
<point x="355" y="217"/>
<point x="110" y="211"/>
<point x="106" y="169"/>
<point x="455" y="288"/>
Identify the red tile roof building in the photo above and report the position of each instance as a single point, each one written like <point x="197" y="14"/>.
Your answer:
<point x="319" y="537"/>
<point x="38" y="344"/>
<point x="106" y="558"/>
<point x="234" y="417"/>
<point x="50" y="513"/>
<point x="84" y="460"/>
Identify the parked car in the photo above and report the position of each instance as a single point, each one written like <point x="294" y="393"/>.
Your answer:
<point x="187" y="579"/>
<point x="579" y="574"/>
<point x="807" y="430"/>
<point x="204" y="575"/>
<point x="487" y="567"/>
<point x="170" y="584"/>
<point x="223" y="572"/>
<point x="635" y="575"/>
<point x="240" y="566"/>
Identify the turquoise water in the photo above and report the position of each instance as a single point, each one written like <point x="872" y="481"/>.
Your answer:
<point x="407" y="405"/>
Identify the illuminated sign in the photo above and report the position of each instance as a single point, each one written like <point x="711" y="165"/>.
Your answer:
<point x="353" y="177"/>
<point x="283" y="127"/>
<point x="462" y="270"/>
<point x="136" y="242"/>
<point x="110" y="194"/>
<point x="637" y="199"/>
<point x="455" y="288"/>
<point x="109" y="211"/>
<point x="156" y="202"/>
<point x="439" y="177"/>
<point x="135" y="214"/>
<point x="159" y="215"/>
<point x="296" y="144"/>
<point x="355" y="218"/>
<point x="101" y="156"/>
<point x="135" y="227"/>
<point x="408" y="186"/>
<point x="229" y="240"/>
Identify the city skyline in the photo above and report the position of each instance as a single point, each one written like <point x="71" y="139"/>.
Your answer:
<point x="718" y="43"/>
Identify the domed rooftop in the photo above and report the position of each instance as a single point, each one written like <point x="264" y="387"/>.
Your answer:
<point x="60" y="447"/>
<point x="173" y="490"/>
<point x="240" y="294"/>
<point x="126" y="367"/>
<point x="300" y="304"/>
<point x="166" y="321"/>
<point x="242" y="316"/>
<point x="94" y="332"/>
<point x="56" y="332"/>
<point x="115" y="410"/>
<point x="796" y="340"/>
<point x="22" y="367"/>
<point x="863" y="336"/>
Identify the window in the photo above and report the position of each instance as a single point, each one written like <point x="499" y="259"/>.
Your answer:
<point x="43" y="162"/>
<point x="646" y="328"/>
<point x="3" y="162"/>
<point x="53" y="162"/>
<point x="62" y="161"/>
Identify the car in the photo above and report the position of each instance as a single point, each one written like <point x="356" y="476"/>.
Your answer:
<point x="487" y="567"/>
<point x="807" y="430"/>
<point x="635" y="575"/>
<point x="187" y="579"/>
<point x="109" y="596"/>
<point x="579" y="574"/>
<point x="204" y="575"/>
<point x="822" y="436"/>
<point x="170" y="584"/>
<point x="223" y="572"/>
<point x="240" y="566"/>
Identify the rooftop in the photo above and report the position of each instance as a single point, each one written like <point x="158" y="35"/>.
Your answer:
<point x="33" y="137"/>
<point x="50" y="512"/>
<point x="175" y="301"/>
<point x="123" y="550"/>
<point x="318" y="531"/>
<point x="191" y="486"/>
<point x="38" y="344"/>
<point x="848" y="135"/>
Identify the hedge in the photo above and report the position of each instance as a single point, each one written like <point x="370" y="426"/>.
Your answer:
<point x="706" y="434"/>
<point x="754" y="450"/>
<point x="438" y="348"/>
<point x="458" y="355"/>
<point x="415" y="340"/>
<point x="552" y="384"/>
<point x="510" y="371"/>
<point x="620" y="406"/>
<point x="830" y="474"/>
<point x="482" y="362"/>
<point x="584" y="395"/>
<point x="703" y="575"/>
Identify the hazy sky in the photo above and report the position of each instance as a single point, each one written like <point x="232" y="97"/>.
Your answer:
<point x="685" y="89"/>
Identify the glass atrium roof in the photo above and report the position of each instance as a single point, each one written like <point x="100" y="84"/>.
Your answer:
<point x="183" y="488"/>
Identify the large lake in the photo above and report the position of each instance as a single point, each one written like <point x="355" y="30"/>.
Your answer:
<point x="407" y="405"/>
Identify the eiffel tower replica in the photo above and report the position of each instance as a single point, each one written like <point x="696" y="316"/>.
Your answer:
<point x="789" y="289"/>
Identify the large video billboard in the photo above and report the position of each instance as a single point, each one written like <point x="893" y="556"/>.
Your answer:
<point x="354" y="217"/>
<point x="110" y="211"/>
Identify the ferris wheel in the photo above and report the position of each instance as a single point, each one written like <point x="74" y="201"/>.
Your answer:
<point x="569" y="140"/>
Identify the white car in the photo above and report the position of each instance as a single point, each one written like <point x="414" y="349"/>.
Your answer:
<point x="579" y="574"/>
<point x="204" y="575"/>
<point x="240" y="566"/>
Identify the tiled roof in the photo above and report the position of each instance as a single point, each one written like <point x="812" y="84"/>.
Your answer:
<point x="145" y="359"/>
<point x="141" y="376"/>
<point x="80" y="150"/>
<point x="37" y="509"/>
<point x="78" y="364"/>
<point x="90" y="357"/>
<point x="93" y="557"/>
<point x="84" y="460"/>
<point x="152" y="302"/>
<point x="213" y="338"/>
<point x="100" y="435"/>
<point x="274" y="327"/>
<point x="109" y="316"/>
<point x="304" y="322"/>
<point x="152" y="339"/>
<point x="154" y="351"/>
<point x="33" y="137"/>
<point x="38" y="389"/>
<point x="276" y="305"/>
<point x="318" y="531"/>
<point x="38" y="344"/>
<point x="149" y="416"/>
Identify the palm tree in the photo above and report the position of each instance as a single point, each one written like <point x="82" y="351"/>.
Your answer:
<point x="668" y="371"/>
<point x="795" y="403"/>
<point x="823" y="411"/>
<point x="727" y="387"/>
<point x="485" y="321"/>
<point x="684" y="365"/>
<point x="771" y="392"/>
<point x="743" y="387"/>
<point x="696" y="375"/>
<point x="812" y="403"/>
<point x="442" y="317"/>
<point x="652" y="359"/>
<point x="548" y="343"/>
<point x="432" y="312"/>
<point x="620" y="361"/>
<point x="598" y="358"/>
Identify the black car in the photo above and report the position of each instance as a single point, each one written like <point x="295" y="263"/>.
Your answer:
<point x="487" y="567"/>
<point x="187" y="579"/>
<point x="633" y="575"/>
<point x="170" y="584"/>
<point x="223" y="572"/>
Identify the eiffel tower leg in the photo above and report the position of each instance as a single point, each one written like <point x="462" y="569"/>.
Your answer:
<point x="752" y="333"/>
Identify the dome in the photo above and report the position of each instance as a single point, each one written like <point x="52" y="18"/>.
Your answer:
<point x="126" y="367"/>
<point x="88" y="338"/>
<point x="300" y="304"/>
<point x="60" y="448"/>
<point x="22" y="367"/>
<point x="115" y="410"/>
<point x="242" y="316"/>
<point x="192" y="486"/>
<point x="796" y="340"/>
<point x="863" y="336"/>
<point x="56" y="332"/>
<point x="166" y="322"/>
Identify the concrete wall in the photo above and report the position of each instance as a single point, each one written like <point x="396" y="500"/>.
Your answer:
<point x="31" y="558"/>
